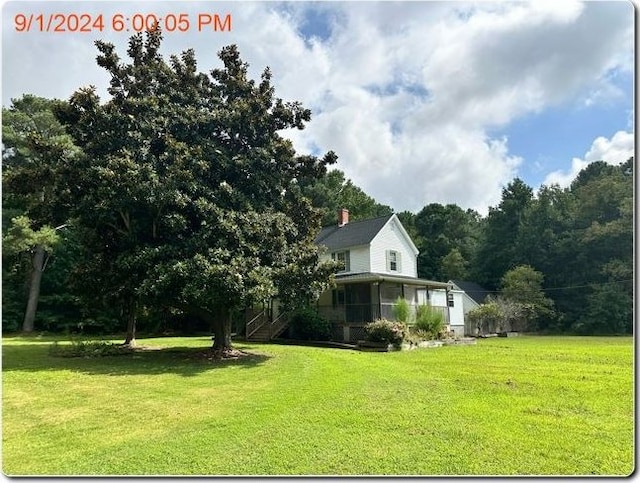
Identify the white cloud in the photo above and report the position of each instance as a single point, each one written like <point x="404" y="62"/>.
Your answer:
<point x="405" y="93"/>
<point x="613" y="151"/>
<point x="478" y="68"/>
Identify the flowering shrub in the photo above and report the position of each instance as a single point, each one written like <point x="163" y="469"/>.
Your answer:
<point x="386" y="331"/>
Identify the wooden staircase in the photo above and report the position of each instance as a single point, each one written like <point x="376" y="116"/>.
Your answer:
<point x="260" y="327"/>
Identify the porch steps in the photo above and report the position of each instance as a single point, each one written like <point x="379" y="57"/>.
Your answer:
<point x="268" y="331"/>
<point x="261" y="335"/>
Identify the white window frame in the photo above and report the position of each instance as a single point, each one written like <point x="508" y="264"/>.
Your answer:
<point x="343" y="256"/>
<point x="394" y="261"/>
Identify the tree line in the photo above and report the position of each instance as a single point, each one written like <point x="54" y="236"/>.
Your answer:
<point x="574" y="245"/>
<point x="177" y="203"/>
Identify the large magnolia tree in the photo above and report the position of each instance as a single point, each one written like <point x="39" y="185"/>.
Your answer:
<point x="187" y="194"/>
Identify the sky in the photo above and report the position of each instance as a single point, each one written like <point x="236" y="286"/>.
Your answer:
<point x="422" y="101"/>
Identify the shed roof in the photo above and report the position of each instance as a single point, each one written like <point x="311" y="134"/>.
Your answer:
<point x="473" y="290"/>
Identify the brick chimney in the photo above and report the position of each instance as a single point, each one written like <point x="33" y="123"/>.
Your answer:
<point x="343" y="216"/>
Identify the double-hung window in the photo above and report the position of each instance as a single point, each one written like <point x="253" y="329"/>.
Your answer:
<point x="393" y="261"/>
<point x="344" y="259"/>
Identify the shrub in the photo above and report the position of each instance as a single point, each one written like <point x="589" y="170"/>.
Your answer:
<point x="386" y="331"/>
<point x="402" y="310"/>
<point x="486" y="317"/>
<point x="429" y="321"/>
<point x="88" y="349"/>
<point x="416" y="335"/>
<point x="308" y="324"/>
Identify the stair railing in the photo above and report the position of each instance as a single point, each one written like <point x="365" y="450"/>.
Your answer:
<point x="278" y="325"/>
<point x="255" y="323"/>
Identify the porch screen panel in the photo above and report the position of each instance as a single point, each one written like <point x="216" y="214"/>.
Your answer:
<point x="358" y="306"/>
<point x="389" y="293"/>
<point x="411" y="294"/>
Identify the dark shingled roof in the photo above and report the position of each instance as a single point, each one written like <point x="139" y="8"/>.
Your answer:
<point x="352" y="234"/>
<point x="473" y="290"/>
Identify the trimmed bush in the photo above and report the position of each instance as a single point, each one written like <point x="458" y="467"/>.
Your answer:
<point x="308" y="324"/>
<point x="386" y="331"/>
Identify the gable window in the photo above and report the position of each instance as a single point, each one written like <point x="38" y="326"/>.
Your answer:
<point x="393" y="261"/>
<point x="344" y="258"/>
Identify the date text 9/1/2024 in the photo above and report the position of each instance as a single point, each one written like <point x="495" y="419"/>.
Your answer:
<point x="137" y="22"/>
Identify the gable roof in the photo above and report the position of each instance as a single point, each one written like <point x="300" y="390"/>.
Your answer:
<point x="352" y="234"/>
<point x="477" y="293"/>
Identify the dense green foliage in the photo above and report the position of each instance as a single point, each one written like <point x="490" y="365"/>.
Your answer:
<point x="307" y="324"/>
<point x="153" y="208"/>
<point x="429" y="320"/>
<point x="580" y="239"/>
<point x="402" y="311"/>
<point x="439" y="232"/>
<point x="516" y="406"/>
<point x="181" y="180"/>
<point x="522" y="285"/>
<point x="333" y="192"/>
<point x="521" y="305"/>
<point x="35" y="148"/>
<point x="497" y="251"/>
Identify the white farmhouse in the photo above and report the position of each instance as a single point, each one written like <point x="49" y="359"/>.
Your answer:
<point x="380" y="265"/>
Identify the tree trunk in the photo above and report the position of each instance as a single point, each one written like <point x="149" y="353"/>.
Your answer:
<point x="132" y="306"/>
<point x="222" y="330"/>
<point x="37" y="267"/>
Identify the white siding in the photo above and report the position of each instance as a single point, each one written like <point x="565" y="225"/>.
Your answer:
<point x="456" y="313"/>
<point x="469" y="304"/>
<point x="438" y="298"/>
<point x="390" y="238"/>
<point x="358" y="259"/>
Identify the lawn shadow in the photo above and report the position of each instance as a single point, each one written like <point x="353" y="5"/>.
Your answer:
<point x="184" y="361"/>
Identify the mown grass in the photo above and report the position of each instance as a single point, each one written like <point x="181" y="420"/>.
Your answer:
<point x="516" y="406"/>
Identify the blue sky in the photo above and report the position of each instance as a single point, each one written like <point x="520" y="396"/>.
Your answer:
<point x="422" y="101"/>
<point x="565" y="131"/>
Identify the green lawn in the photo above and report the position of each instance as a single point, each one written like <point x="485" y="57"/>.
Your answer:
<point x="522" y="405"/>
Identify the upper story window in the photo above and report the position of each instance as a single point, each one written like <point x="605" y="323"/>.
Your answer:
<point x="344" y="258"/>
<point x="393" y="261"/>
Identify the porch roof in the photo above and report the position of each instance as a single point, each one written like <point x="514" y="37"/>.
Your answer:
<point x="369" y="277"/>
